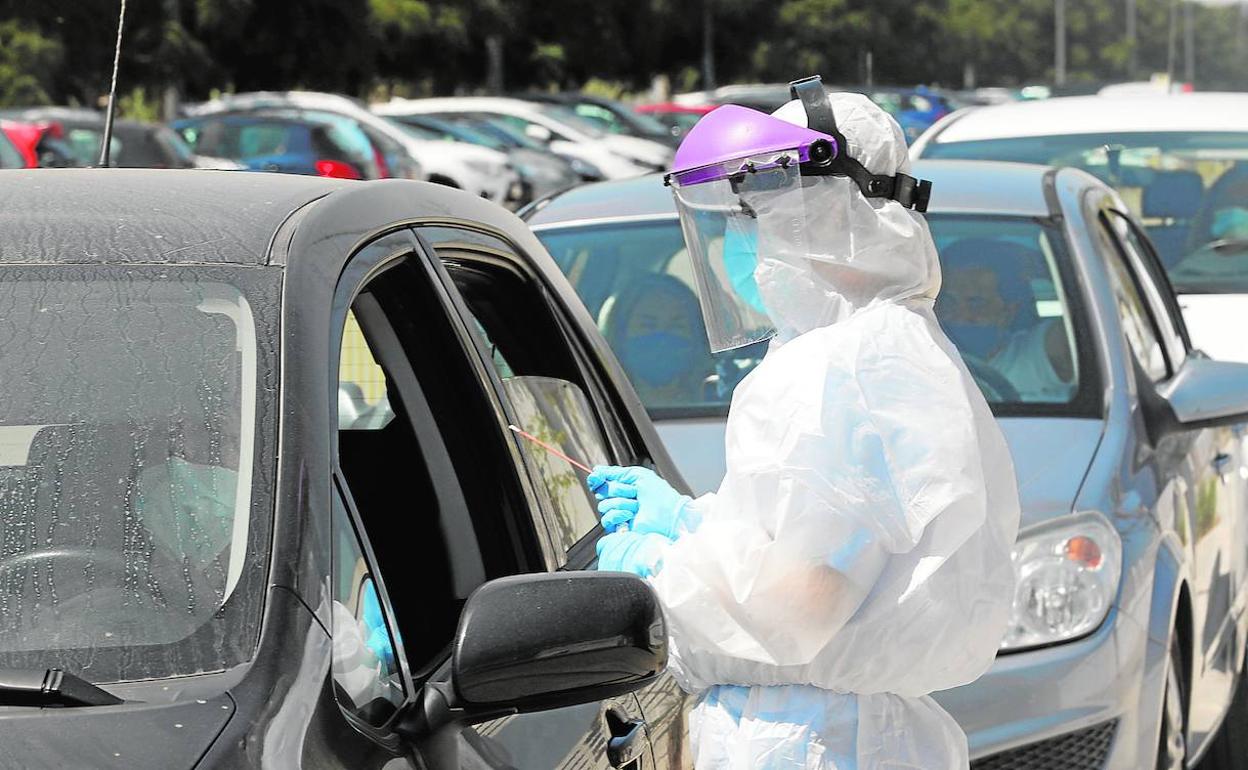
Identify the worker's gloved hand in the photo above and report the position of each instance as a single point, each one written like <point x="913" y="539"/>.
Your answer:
<point x="640" y="554"/>
<point x="640" y="498"/>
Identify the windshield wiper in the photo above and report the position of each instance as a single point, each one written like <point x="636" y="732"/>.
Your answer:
<point x="50" y="687"/>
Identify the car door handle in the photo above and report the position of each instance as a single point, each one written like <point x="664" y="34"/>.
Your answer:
<point x="627" y="742"/>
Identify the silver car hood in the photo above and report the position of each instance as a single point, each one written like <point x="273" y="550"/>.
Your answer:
<point x="1051" y="457"/>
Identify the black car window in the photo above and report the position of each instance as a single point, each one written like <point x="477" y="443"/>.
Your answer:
<point x="367" y="678"/>
<point x="543" y="380"/>
<point x="1138" y="324"/>
<point x="426" y="470"/>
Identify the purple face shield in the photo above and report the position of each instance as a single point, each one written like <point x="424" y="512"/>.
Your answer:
<point x="732" y="140"/>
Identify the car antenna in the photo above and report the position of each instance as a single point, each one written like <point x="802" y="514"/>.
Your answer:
<point x="106" y="141"/>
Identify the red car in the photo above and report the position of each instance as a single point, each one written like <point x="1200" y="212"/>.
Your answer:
<point x="679" y="117"/>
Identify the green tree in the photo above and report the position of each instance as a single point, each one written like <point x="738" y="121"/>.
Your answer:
<point x="27" y="59"/>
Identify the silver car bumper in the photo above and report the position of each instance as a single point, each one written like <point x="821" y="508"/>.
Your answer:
<point x="1084" y="705"/>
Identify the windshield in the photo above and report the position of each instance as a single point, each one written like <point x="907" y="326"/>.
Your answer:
<point x="134" y="528"/>
<point x="1190" y="190"/>
<point x="1003" y="304"/>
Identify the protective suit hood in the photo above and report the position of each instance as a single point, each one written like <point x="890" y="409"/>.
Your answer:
<point x="821" y="245"/>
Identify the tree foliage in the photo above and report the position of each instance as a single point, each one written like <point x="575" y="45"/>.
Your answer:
<point x="61" y="50"/>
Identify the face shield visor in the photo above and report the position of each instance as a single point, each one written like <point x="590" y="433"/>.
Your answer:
<point x="722" y="231"/>
<point x="752" y="188"/>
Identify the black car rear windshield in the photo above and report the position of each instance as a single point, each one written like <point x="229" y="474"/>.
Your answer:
<point x="136" y="437"/>
<point x="1190" y="190"/>
<point x="1004" y="304"/>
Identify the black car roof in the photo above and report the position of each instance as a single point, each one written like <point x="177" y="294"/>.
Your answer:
<point x="98" y="216"/>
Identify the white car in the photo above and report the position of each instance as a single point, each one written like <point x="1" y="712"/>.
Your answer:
<point x="556" y="126"/>
<point x="479" y="170"/>
<point x="1179" y="160"/>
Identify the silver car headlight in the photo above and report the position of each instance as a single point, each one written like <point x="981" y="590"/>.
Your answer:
<point x="1066" y="575"/>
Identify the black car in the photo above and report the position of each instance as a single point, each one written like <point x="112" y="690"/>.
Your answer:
<point x="260" y="501"/>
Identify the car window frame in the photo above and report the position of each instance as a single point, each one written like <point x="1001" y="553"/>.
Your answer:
<point x="368" y="262"/>
<point x="1149" y="263"/>
<point x="1119" y="252"/>
<point x="619" y="442"/>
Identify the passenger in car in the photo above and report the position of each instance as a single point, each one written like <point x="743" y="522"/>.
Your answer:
<point x="656" y="325"/>
<point x="987" y="307"/>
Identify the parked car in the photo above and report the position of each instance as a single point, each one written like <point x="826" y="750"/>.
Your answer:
<point x="398" y="586"/>
<point x="478" y="170"/>
<point x="1181" y="163"/>
<point x="286" y="142"/>
<point x="555" y="126"/>
<point x="541" y="172"/>
<point x="1125" y="440"/>
<point x="678" y="117"/>
<point x="61" y="136"/>
<point x="497" y="128"/>
<point x="610" y="115"/>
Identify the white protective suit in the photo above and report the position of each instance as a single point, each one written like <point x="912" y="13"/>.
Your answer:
<point x="856" y="556"/>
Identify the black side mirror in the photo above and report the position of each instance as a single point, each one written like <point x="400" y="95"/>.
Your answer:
<point x="544" y="641"/>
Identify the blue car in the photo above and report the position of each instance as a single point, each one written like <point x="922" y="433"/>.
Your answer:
<point x="285" y="143"/>
<point x="1126" y="644"/>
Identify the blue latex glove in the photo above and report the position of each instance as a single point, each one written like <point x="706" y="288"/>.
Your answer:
<point x="640" y="498"/>
<point x="640" y="554"/>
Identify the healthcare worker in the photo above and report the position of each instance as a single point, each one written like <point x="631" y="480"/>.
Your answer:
<point x="856" y="556"/>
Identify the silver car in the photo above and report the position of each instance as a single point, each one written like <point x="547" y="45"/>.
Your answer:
<point x="1126" y="643"/>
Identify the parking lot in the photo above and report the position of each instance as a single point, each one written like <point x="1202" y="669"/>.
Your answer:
<point x="307" y="352"/>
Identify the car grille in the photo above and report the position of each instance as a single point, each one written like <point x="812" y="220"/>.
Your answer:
<point x="1081" y="750"/>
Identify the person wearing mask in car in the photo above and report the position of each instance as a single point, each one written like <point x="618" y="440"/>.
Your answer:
<point x="856" y="556"/>
<point x="657" y="327"/>
<point x="987" y="307"/>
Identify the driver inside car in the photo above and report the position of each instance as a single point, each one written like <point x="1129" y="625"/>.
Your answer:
<point x="987" y="308"/>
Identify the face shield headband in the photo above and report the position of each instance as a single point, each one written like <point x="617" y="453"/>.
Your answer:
<point x="823" y="156"/>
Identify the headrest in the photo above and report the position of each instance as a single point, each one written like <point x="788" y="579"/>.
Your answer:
<point x="1173" y="194"/>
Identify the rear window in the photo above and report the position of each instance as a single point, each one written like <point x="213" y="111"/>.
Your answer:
<point x="1190" y="190"/>
<point x="1004" y="304"/>
<point x="133" y="484"/>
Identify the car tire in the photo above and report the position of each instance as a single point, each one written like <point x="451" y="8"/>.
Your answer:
<point x="1172" y="738"/>
<point x="1229" y="749"/>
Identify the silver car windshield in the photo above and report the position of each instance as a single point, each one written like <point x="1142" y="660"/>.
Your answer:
<point x="1189" y="189"/>
<point x="128" y="467"/>
<point x="1005" y="304"/>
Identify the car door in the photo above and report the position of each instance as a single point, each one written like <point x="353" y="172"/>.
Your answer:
<point x="445" y="500"/>
<point x="548" y="384"/>
<point x="1210" y="483"/>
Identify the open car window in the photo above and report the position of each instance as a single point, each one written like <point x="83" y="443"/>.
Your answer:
<point x="543" y="382"/>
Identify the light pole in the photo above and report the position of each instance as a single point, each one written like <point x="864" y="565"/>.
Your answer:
<point x="1133" y="59"/>
<point x="1172" y="44"/>
<point x="1059" y="32"/>
<point x="708" y="46"/>
<point x="1189" y="44"/>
